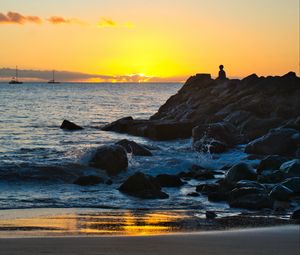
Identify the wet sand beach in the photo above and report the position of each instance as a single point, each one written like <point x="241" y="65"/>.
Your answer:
<point x="274" y="240"/>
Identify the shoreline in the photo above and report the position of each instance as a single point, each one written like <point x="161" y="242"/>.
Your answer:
<point x="74" y="222"/>
<point x="273" y="240"/>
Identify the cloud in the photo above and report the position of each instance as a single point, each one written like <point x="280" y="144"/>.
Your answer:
<point x="107" y="22"/>
<point x="58" y="20"/>
<point x="66" y="76"/>
<point x="17" y="18"/>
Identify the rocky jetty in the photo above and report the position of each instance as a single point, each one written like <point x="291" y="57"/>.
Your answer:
<point x="219" y="114"/>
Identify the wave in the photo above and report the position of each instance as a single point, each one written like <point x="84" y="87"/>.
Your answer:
<point x="46" y="173"/>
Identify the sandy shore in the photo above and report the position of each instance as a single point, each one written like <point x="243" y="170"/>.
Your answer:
<point x="274" y="240"/>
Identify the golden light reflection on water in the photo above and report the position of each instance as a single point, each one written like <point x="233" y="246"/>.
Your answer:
<point x="96" y="223"/>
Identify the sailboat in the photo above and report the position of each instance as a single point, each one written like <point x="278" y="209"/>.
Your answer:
<point x="15" y="80"/>
<point x="53" y="80"/>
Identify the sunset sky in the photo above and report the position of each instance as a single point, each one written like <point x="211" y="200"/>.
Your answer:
<point x="168" y="40"/>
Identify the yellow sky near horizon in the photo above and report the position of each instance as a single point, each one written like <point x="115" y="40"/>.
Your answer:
<point x="161" y="39"/>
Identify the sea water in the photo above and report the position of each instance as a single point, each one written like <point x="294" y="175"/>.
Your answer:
<point x="38" y="160"/>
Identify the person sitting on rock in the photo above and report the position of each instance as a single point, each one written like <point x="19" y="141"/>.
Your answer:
<point x="222" y="74"/>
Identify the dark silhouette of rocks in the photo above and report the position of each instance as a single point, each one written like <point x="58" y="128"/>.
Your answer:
<point x="225" y="113"/>
<point x="143" y="186"/>
<point x="113" y="159"/>
<point x="68" y="125"/>
<point x="262" y="113"/>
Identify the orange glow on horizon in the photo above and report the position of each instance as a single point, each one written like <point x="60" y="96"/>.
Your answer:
<point x="123" y="38"/>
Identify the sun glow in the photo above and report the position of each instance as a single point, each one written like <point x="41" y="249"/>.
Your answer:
<point x="127" y="38"/>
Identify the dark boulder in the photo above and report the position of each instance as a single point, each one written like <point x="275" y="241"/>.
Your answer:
<point x="113" y="159"/>
<point x="254" y="201"/>
<point x="88" y="180"/>
<point x="207" y="188"/>
<point x="120" y="125"/>
<point x="296" y="215"/>
<point x="168" y="180"/>
<point x="293" y="184"/>
<point x="193" y="194"/>
<point x="277" y="142"/>
<point x="271" y="176"/>
<point x="240" y="171"/>
<point x="134" y="148"/>
<point x="68" y="125"/>
<point x="199" y="173"/>
<point x="249" y="184"/>
<point x="240" y="192"/>
<point x="280" y="192"/>
<point x="210" y="215"/>
<point x="272" y="162"/>
<point x="142" y="186"/>
<point x="217" y="196"/>
<point x="291" y="168"/>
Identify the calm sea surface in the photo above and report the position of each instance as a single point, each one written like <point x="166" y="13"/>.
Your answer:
<point x="38" y="159"/>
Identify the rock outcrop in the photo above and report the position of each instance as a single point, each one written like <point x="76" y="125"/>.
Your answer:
<point x="227" y="112"/>
<point x="71" y="126"/>
<point x="143" y="186"/>
<point x="113" y="159"/>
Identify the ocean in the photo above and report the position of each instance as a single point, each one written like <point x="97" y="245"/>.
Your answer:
<point x="38" y="159"/>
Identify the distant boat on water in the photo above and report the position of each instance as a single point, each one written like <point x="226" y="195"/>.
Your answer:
<point x="15" y="80"/>
<point x="53" y="79"/>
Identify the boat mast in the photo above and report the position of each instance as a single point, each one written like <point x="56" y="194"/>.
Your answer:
<point x="16" y="72"/>
<point x="53" y="75"/>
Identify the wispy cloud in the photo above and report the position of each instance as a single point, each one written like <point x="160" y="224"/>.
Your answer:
<point x="57" y="20"/>
<point x="108" y="22"/>
<point x="17" y="18"/>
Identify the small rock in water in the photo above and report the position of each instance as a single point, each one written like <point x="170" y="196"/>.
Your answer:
<point x="193" y="194"/>
<point x="113" y="159"/>
<point x="88" y="180"/>
<point x="168" y="180"/>
<point x="109" y="182"/>
<point x="296" y="215"/>
<point x="143" y="186"/>
<point x="68" y="125"/>
<point x="210" y="215"/>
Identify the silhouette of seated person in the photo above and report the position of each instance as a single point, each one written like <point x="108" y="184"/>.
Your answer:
<point x="222" y="74"/>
